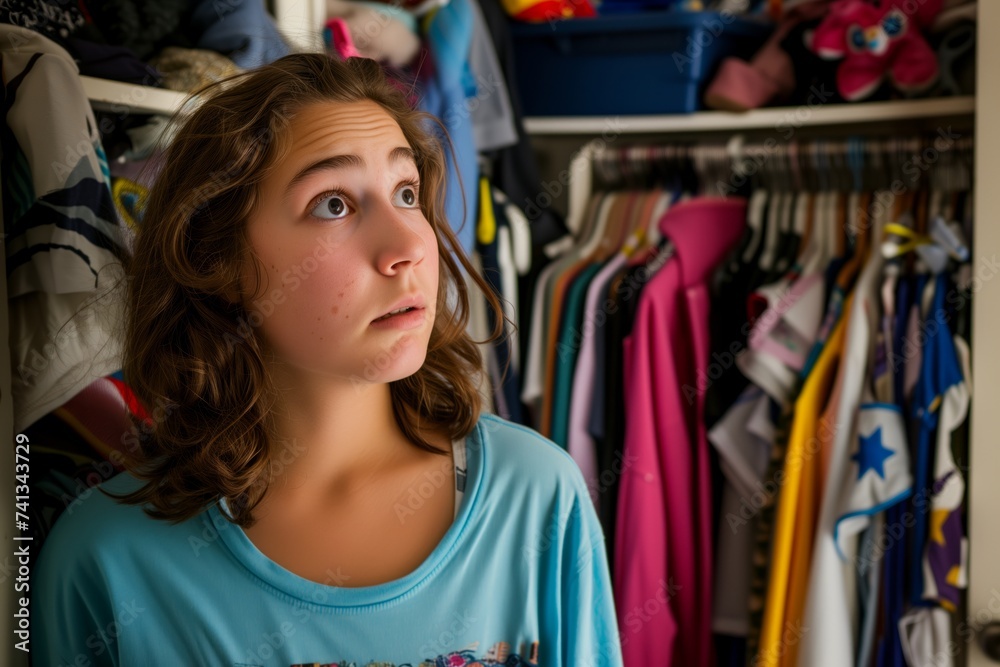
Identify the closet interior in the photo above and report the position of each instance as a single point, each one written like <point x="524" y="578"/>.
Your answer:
<point x="784" y="163"/>
<point x="699" y="414"/>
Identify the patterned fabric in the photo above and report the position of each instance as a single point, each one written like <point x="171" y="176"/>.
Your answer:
<point x="187" y="70"/>
<point x="880" y="470"/>
<point x="942" y="402"/>
<point x="763" y="530"/>
<point x="499" y="654"/>
<point x="63" y="241"/>
<point x="55" y="19"/>
<point x="59" y="219"/>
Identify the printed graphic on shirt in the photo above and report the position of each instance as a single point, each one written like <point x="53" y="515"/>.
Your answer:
<point x="499" y="654"/>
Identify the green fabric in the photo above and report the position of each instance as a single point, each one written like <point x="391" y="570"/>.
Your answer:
<point x="567" y="349"/>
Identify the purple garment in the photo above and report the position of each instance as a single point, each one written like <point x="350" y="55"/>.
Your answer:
<point x="581" y="445"/>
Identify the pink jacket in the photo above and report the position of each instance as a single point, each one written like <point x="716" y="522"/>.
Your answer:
<point x="663" y="542"/>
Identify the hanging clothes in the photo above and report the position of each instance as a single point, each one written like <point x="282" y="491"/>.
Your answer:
<point x="663" y="539"/>
<point x="64" y="243"/>
<point x="446" y="83"/>
<point x="817" y="449"/>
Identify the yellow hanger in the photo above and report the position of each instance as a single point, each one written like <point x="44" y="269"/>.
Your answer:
<point x="914" y="240"/>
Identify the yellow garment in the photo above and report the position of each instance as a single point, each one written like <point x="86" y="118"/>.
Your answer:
<point x="798" y="511"/>
<point x="486" y="230"/>
<point x="130" y="200"/>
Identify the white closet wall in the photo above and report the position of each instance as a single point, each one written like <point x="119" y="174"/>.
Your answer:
<point x="984" y="454"/>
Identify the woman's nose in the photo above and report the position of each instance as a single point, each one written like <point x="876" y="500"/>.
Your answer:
<point x="399" y="242"/>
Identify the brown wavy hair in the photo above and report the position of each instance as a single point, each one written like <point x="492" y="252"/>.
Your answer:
<point x="188" y="351"/>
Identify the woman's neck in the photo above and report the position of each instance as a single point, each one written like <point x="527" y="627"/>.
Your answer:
<point x="332" y="434"/>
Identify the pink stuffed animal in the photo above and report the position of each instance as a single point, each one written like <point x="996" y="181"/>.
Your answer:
<point x="876" y="39"/>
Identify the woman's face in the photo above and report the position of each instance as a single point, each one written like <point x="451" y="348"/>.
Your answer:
<point x="343" y="241"/>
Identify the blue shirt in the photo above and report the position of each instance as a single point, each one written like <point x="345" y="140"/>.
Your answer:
<point x="520" y="578"/>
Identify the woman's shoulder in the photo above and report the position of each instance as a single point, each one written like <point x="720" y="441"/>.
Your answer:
<point x="524" y="454"/>
<point x="94" y="526"/>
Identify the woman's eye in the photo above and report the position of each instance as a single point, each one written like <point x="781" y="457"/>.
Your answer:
<point x="406" y="196"/>
<point x="332" y="207"/>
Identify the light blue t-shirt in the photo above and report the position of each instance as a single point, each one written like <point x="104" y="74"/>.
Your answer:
<point x="520" y="578"/>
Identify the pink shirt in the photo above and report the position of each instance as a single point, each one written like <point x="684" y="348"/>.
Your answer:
<point x="663" y="542"/>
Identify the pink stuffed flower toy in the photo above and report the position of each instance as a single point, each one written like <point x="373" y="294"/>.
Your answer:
<point x="878" y="39"/>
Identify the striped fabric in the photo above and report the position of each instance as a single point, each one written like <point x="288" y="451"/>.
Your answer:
<point x="59" y="219"/>
<point x="63" y="241"/>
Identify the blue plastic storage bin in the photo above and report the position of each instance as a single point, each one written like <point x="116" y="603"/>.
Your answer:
<point x="651" y="63"/>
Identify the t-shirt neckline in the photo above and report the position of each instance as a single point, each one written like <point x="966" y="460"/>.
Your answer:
<point x="285" y="582"/>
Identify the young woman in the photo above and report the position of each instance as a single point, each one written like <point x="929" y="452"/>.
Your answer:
<point x="320" y="486"/>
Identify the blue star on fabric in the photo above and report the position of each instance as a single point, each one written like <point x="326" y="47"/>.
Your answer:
<point x="871" y="454"/>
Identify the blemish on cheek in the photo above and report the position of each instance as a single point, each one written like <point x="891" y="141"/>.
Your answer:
<point x="333" y="310"/>
<point x="340" y="294"/>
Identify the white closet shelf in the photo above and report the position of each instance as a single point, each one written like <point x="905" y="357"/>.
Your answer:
<point x="118" y="96"/>
<point x="779" y="118"/>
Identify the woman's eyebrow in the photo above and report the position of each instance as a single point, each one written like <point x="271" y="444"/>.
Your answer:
<point x="342" y="161"/>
